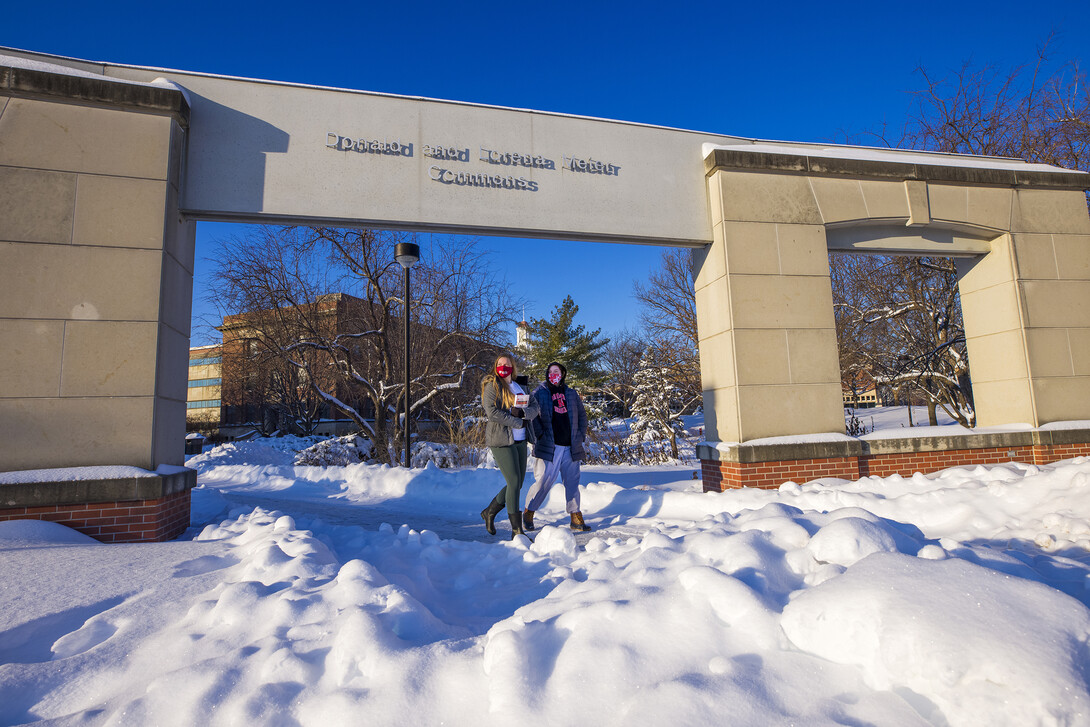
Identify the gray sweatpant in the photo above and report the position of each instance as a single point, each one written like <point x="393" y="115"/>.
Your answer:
<point x="545" y="477"/>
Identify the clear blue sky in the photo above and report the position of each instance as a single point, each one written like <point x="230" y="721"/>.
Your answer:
<point x="799" y="71"/>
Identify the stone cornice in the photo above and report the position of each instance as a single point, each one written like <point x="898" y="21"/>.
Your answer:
<point x="55" y="493"/>
<point x="729" y="159"/>
<point x="103" y="91"/>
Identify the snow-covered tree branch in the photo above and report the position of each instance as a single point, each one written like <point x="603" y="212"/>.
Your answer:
<point x="327" y="305"/>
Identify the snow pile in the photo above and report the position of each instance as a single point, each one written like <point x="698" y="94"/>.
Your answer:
<point x="337" y="452"/>
<point x="39" y="533"/>
<point x="897" y="601"/>
<point x="961" y="643"/>
<point x="293" y="634"/>
<point x="242" y="453"/>
<point x="1044" y="507"/>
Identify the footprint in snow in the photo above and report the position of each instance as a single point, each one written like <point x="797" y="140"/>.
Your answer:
<point x="87" y="637"/>
<point x="202" y="565"/>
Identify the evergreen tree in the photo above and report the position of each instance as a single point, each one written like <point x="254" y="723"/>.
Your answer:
<point x="654" y="416"/>
<point x="560" y="340"/>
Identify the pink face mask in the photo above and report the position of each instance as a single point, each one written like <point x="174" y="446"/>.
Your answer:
<point x="555" y="376"/>
<point x="504" y="371"/>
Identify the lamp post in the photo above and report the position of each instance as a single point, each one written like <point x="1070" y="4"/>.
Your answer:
<point x="407" y="254"/>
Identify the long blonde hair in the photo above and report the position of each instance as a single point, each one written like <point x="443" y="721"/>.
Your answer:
<point x="507" y="397"/>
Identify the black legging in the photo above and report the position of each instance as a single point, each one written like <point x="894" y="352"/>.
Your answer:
<point x="512" y="463"/>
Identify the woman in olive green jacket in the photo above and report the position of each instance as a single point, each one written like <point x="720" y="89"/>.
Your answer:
<point x="508" y="409"/>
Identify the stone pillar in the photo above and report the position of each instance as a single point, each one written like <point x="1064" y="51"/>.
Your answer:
<point x="1027" y="313"/>
<point x="768" y="347"/>
<point x="95" y="275"/>
<point x="95" y="272"/>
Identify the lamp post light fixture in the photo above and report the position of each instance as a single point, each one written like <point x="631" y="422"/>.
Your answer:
<point x="407" y="254"/>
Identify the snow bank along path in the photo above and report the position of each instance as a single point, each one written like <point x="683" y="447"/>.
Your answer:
<point x="953" y="599"/>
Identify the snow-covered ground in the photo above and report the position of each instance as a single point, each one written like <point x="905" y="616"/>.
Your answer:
<point x="369" y="595"/>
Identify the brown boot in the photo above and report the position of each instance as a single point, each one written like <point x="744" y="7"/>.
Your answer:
<point x="528" y="519"/>
<point x="577" y="523"/>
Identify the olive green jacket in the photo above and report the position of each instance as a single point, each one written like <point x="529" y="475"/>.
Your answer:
<point x="501" y="422"/>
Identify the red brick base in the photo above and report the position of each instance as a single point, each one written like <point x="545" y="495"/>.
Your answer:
<point x="721" y="476"/>
<point x="133" y="521"/>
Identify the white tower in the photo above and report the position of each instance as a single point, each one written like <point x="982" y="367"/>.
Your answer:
<point x="522" y="329"/>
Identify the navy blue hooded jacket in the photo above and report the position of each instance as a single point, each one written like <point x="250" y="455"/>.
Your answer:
<point x="545" y="444"/>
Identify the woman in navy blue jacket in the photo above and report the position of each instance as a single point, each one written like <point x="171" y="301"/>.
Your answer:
<point x="561" y="429"/>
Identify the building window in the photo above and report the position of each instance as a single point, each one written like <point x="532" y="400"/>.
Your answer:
<point x="204" y="382"/>
<point x="206" y="404"/>
<point x="205" y="361"/>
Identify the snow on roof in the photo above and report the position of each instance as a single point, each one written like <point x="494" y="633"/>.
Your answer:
<point x="901" y="156"/>
<point x="33" y="65"/>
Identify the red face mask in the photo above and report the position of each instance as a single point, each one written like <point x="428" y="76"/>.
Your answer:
<point x="504" y="371"/>
<point x="554" y="377"/>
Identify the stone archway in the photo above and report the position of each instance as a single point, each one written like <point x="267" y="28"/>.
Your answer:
<point x="104" y="168"/>
<point x="771" y="366"/>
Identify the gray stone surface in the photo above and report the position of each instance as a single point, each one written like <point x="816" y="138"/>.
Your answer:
<point x="73" y="492"/>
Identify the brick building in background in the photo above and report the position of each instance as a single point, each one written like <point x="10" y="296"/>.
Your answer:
<point x="262" y="392"/>
<point x="258" y="390"/>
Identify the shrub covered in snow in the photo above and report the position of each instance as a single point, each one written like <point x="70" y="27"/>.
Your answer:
<point x="338" y="452"/>
<point x="446" y="455"/>
<point x="288" y="442"/>
<point x="619" y="447"/>
<point x="442" y="455"/>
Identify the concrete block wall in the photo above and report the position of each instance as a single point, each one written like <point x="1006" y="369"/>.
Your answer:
<point x="1029" y="302"/>
<point x="95" y="272"/>
<point x="769" y="361"/>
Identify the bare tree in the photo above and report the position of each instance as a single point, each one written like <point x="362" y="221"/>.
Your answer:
<point x="328" y="303"/>
<point x="1039" y="112"/>
<point x="900" y="319"/>
<point x="899" y="323"/>
<point x="668" y="318"/>
<point x="621" y="360"/>
<point x="668" y="299"/>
